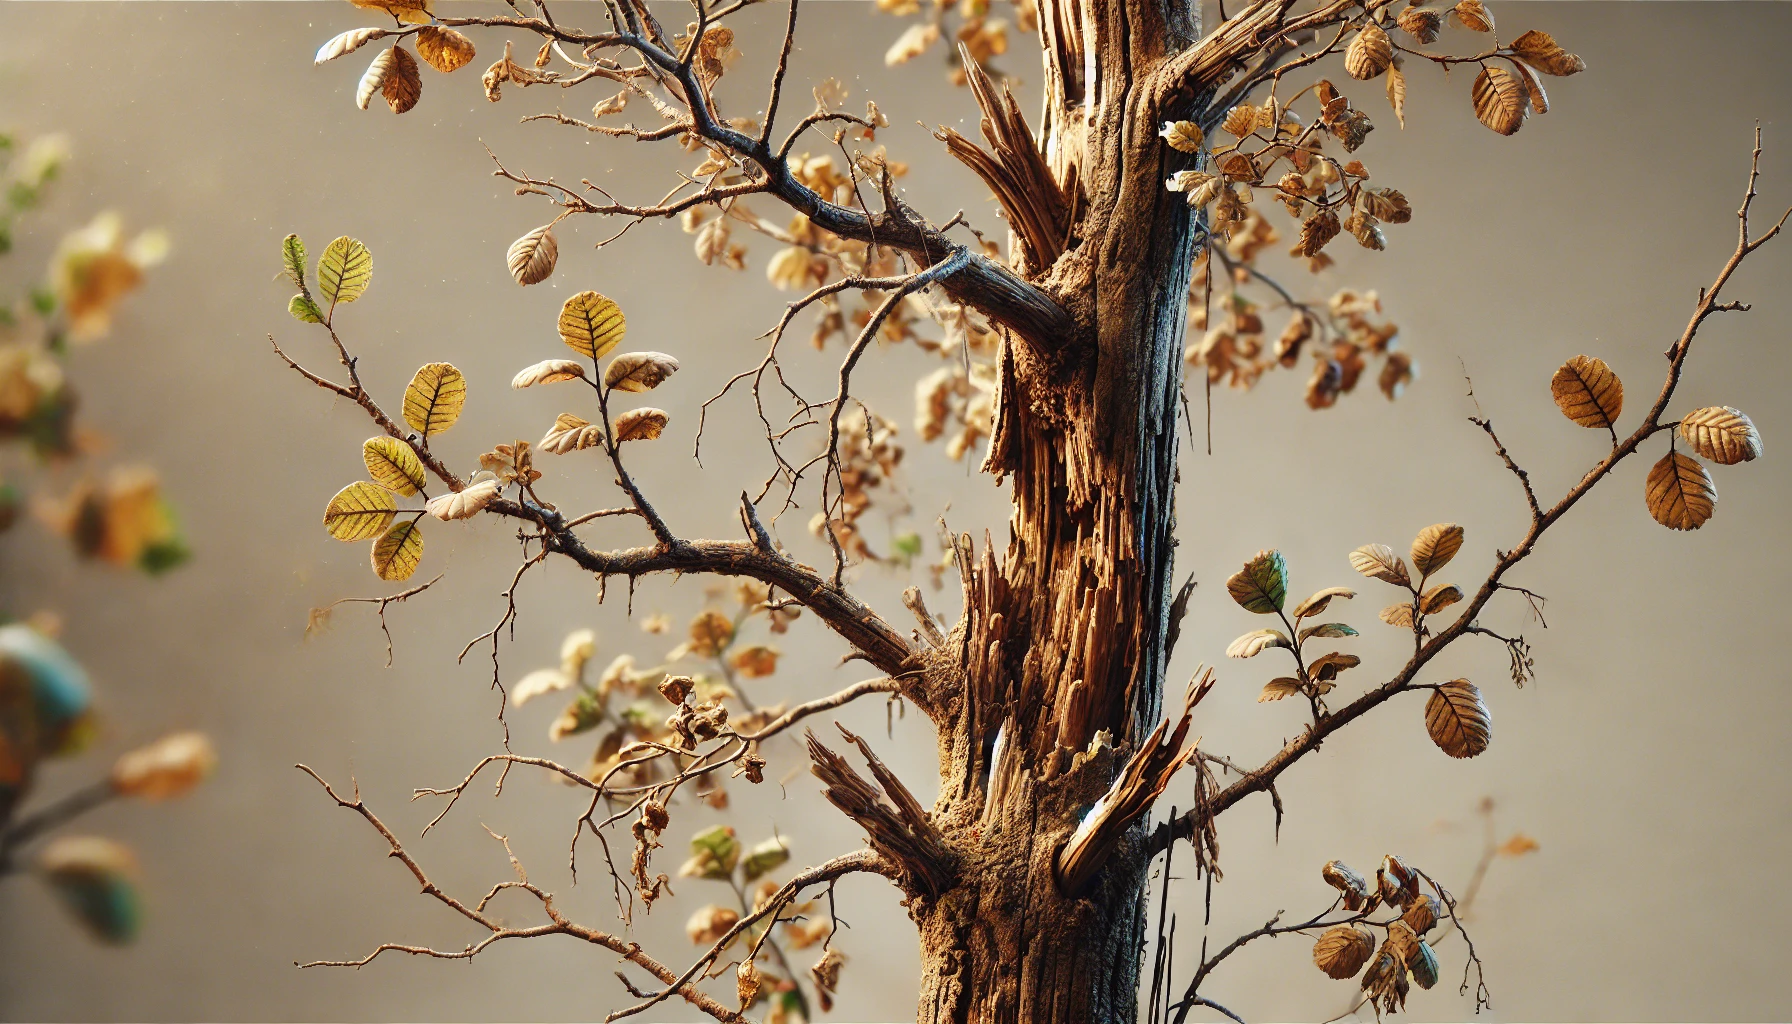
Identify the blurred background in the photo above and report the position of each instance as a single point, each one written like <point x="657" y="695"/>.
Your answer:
<point x="1647" y="760"/>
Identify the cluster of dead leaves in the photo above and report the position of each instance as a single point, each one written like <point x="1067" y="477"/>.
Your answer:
<point x="1404" y="958"/>
<point x="972" y="25"/>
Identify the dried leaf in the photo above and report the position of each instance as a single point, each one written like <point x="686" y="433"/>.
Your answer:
<point x="1378" y="561"/>
<point x="1262" y="585"/>
<point x="1724" y="435"/>
<point x="639" y="371"/>
<point x="465" y="503"/>
<point x="434" y="398"/>
<point x="548" y="371"/>
<point x="912" y="43"/>
<point x="1345" y="879"/>
<point x="746" y="982"/>
<point x="1541" y="51"/>
<point x="1370" y="53"/>
<point x="1680" y="493"/>
<point x="1474" y="16"/>
<point x="640" y="424"/>
<point x="1438" y="598"/>
<point x="1421" y="23"/>
<point x="1241" y="120"/>
<point x="1422" y="914"/>
<point x="1519" y="845"/>
<point x="402" y="85"/>
<point x="1252" y="644"/>
<point x="1342" y="951"/>
<point x="711" y="632"/>
<point x="359" y="511"/>
<point x="755" y="661"/>
<point x="1588" y="392"/>
<point x="1326" y="667"/>
<point x="1399" y="615"/>
<point x="1499" y="100"/>
<point x="1533" y="89"/>
<point x="1183" y="136"/>
<point x="393" y="465"/>
<point x="1397" y="92"/>
<point x="709" y="924"/>
<point x="344" y="270"/>
<point x="348" y="42"/>
<point x="570" y="434"/>
<point x="1330" y="630"/>
<point x="396" y="554"/>
<point x="532" y="257"/>
<point x="411" y="12"/>
<point x="374" y="78"/>
<point x="445" y="49"/>
<point x="1318" y="602"/>
<point x="1422" y="963"/>
<point x="169" y="767"/>
<point x="591" y="324"/>
<point x="1315" y="232"/>
<point x="538" y="683"/>
<point x="1435" y="545"/>
<point x="1457" y="720"/>
<point x="1279" y="687"/>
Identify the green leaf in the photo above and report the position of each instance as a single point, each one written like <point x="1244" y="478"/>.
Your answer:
<point x="96" y="880"/>
<point x="766" y="856"/>
<point x="344" y="270"/>
<point x="304" y="310"/>
<point x="43" y="301"/>
<point x="393" y="465"/>
<point x="714" y="852"/>
<point x="292" y="256"/>
<point x="1262" y="585"/>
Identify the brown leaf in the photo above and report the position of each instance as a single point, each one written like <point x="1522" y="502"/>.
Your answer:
<point x="1724" y="435"/>
<point x="1680" y="493"/>
<point x="1279" y="687"/>
<point x="1370" y="53"/>
<point x="1519" y="845"/>
<point x="1499" y="100"/>
<point x="1473" y="15"/>
<point x="1346" y="880"/>
<point x="640" y="424"/>
<point x="1326" y="667"/>
<point x="445" y="49"/>
<point x="1399" y="615"/>
<point x="1378" y="561"/>
<point x="1342" y="951"/>
<point x="639" y="371"/>
<point x="403" y="84"/>
<point x="570" y="434"/>
<point x="1457" y="720"/>
<point x="1256" y="642"/>
<point x="1541" y="51"/>
<point x="1435" y="545"/>
<point x="1397" y="91"/>
<point x="1533" y="89"/>
<point x="1421" y="23"/>
<point x="532" y="257"/>
<point x="1316" y="604"/>
<point x="1315" y="232"/>
<point x="1422" y="913"/>
<point x="711" y="631"/>
<point x="1241" y="120"/>
<point x="1438" y="598"/>
<point x="1588" y="392"/>
<point x="1183" y="136"/>
<point x="756" y="661"/>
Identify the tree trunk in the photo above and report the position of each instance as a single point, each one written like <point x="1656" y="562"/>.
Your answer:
<point x="1056" y="673"/>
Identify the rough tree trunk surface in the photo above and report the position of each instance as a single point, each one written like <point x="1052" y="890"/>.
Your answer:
<point x="1056" y="673"/>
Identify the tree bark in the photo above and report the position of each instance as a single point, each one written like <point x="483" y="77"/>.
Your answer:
<point x="1056" y="672"/>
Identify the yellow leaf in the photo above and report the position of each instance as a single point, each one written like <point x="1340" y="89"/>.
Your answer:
<point x="1397" y="92"/>
<point x="1183" y="136"/>
<point x="1724" y="435"/>
<point x="1499" y="100"/>
<point x="548" y="371"/>
<point x="465" y="503"/>
<point x="640" y="424"/>
<point x="445" y="49"/>
<point x="591" y="324"/>
<point x="1519" y="845"/>
<point x="397" y="552"/>
<point x="1680" y="493"/>
<point x="1457" y="720"/>
<point x="1435" y="545"/>
<point x="532" y="257"/>
<point x="434" y="399"/>
<point x="1241" y="120"/>
<point x="393" y="465"/>
<point x="359" y="511"/>
<point x="639" y="371"/>
<point x="344" y="270"/>
<point x="1588" y="392"/>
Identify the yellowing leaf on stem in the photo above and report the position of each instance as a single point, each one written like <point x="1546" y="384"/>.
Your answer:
<point x="1724" y="435"/>
<point x="1588" y="392"/>
<point x="1458" y="721"/>
<point x="359" y="511"/>
<point x="639" y="371"/>
<point x="591" y="324"/>
<point x="465" y="503"/>
<point x="445" y="49"/>
<point x="304" y="310"/>
<point x="532" y="257"/>
<point x="1262" y="585"/>
<point x="1499" y="100"/>
<point x="1435" y="545"/>
<point x="344" y="270"/>
<point x="1378" y="561"/>
<point x="640" y="424"/>
<point x="393" y="465"/>
<point x="1680" y="493"/>
<point x="397" y="552"/>
<point x="434" y="399"/>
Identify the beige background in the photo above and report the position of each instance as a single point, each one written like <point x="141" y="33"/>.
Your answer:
<point x="1648" y="759"/>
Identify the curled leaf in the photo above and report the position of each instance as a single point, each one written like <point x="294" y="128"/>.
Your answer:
<point x="304" y="310"/>
<point x="393" y="465"/>
<point x="1588" y="392"/>
<point x="1328" y="629"/>
<point x="591" y="324"/>
<point x="1724" y="435"/>
<point x="1679" y="492"/>
<point x="1435" y="545"/>
<point x="1252" y="644"/>
<point x="465" y="503"/>
<point x="548" y="371"/>
<point x="1458" y="721"/>
<point x="1326" y="667"/>
<point x="1345" y="879"/>
<point x="640" y="424"/>
<point x="639" y="371"/>
<point x="374" y="78"/>
<point x="1378" y="561"/>
<point x="347" y="42"/>
<point x="1421" y="23"/>
<point x="532" y="257"/>
<point x="292" y="260"/>
<point x="1262" y="585"/>
<point x="1541" y="51"/>
<point x="1317" y="603"/>
<point x="1473" y="15"/>
<point x="359" y="511"/>
<point x="397" y="552"/>
<point x="570" y="434"/>
<point x="1438" y="598"/>
<point x="434" y="398"/>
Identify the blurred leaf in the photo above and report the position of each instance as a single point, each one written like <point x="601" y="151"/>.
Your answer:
<point x="169" y="767"/>
<point x="96" y="880"/>
<point x="764" y="857"/>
